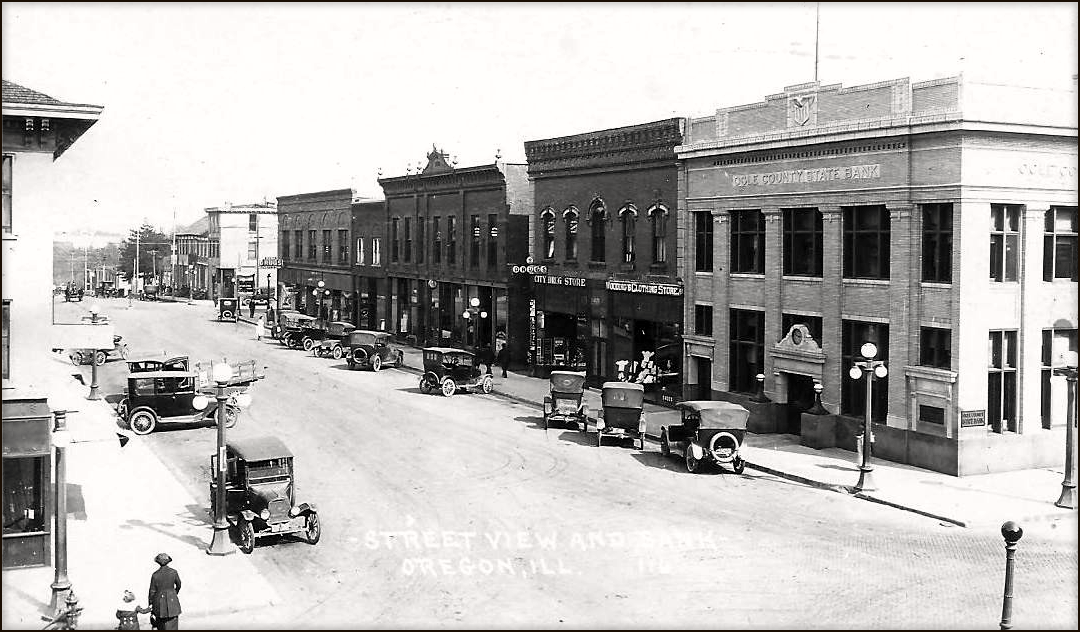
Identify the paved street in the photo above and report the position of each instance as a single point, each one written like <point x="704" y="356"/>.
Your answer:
<point x="463" y="512"/>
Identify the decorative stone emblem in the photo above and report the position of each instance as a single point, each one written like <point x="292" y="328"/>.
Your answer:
<point x="803" y="110"/>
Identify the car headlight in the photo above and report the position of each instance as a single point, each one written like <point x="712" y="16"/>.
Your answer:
<point x="199" y="402"/>
<point x="265" y="514"/>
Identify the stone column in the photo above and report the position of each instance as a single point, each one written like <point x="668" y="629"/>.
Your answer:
<point x="832" y="271"/>
<point x="1033" y="317"/>
<point x="721" y="292"/>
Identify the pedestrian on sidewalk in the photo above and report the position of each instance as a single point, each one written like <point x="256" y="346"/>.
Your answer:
<point x="486" y="357"/>
<point x="502" y="357"/>
<point x="260" y="329"/>
<point x="128" y="612"/>
<point x="164" y="595"/>
<point x="251" y="307"/>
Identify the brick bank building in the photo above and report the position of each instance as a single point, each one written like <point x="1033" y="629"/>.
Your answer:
<point x="610" y="302"/>
<point x="936" y="219"/>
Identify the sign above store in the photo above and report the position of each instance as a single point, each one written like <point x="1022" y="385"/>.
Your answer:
<point x="801" y="176"/>
<point x="270" y="262"/>
<point x="529" y="269"/>
<point x="559" y="280"/>
<point x="635" y="287"/>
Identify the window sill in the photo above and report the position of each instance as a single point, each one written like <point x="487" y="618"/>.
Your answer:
<point x="597" y="265"/>
<point x="799" y="277"/>
<point x="867" y="282"/>
<point x="935" y="285"/>
<point x="626" y="267"/>
<point x="746" y="275"/>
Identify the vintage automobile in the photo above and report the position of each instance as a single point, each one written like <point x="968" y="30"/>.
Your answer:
<point x="300" y="326"/>
<point x="621" y="413"/>
<point x="259" y="297"/>
<point x="330" y="345"/>
<point x="228" y="309"/>
<point x="151" y="293"/>
<point x="564" y="403"/>
<point x="73" y="293"/>
<point x="147" y="364"/>
<point x="99" y="356"/>
<point x="372" y="349"/>
<point x="243" y="373"/>
<point x="710" y="432"/>
<point x="288" y="320"/>
<point x="450" y="369"/>
<point x="170" y="396"/>
<point x="260" y="492"/>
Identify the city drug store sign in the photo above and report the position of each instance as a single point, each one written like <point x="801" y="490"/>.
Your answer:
<point x="554" y="279"/>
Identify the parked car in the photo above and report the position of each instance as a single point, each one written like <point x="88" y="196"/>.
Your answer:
<point x="73" y="293"/>
<point x="260" y="492"/>
<point x="710" y="432"/>
<point x="146" y="365"/>
<point x="99" y="356"/>
<point x="169" y="396"/>
<point x="227" y="309"/>
<point x="244" y="374"/>
<point x="449" y="369"/>
<point x="371" y="349"/>
<point x="621" y="415"/>
<point x="259" y="297"/>
<point x="564" y="402"/>
<point x="330" y="345"/>
<point x="293" y="325"/>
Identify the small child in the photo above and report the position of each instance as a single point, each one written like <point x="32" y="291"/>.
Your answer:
<point x="128" y="612"/>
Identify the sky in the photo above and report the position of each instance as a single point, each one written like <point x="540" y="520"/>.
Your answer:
<point x="213" y="103"/>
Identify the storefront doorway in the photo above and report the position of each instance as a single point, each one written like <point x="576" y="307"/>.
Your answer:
<point x="800" y="398"/>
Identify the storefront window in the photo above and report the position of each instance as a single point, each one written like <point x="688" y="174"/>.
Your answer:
<point x="747" y="349"/>
<point x="24" y="501"/>
<point x="1001" y="381"/>
<point x="853" y="393"/>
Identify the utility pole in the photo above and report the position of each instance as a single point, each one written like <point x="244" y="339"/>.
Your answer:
<point x="817" y="31"/>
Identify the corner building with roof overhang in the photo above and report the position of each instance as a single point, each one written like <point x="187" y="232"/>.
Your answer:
<point x="936" y="219"/>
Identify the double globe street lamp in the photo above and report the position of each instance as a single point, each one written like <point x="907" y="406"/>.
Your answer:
<point x="872" y="368"/>
<point x="321" y="293"/>
<point x="222" y="374"/>
<point x="470" y="312"/>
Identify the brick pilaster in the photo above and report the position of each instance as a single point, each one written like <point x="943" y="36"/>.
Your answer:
<point x="721" y="299"/>
<point x="1032" y="318"/>
<point x="903" y="330"/>
<point x="774" y="269"/>
<point x="832" y="271"/>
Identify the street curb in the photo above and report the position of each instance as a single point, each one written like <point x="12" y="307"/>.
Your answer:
<point x="799" y="479"/>
<point x="880" y="501"/>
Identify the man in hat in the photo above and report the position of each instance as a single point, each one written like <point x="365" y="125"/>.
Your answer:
<point x="164" y="602"/>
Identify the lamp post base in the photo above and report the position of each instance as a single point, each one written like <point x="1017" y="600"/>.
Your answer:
<point x="220" y="544"/>
<point x="1067" y="500"/>
<point x="61" y="590"/>
<point x="866" y="480"/>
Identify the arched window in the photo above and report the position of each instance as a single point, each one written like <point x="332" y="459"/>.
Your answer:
<point x="547" y="220"/>
<point x="570" y="219"/>
<point x="597" y="219"/>
<point x="658" y="214"/>
<point x="628" y="215"/>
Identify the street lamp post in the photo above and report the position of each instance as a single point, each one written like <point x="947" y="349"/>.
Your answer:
<point x="1067" y="500"/>
<point x="94" y="394"/>
<point x="220" y="544"/>
<point x="473" y="310"/>
<point x="321" y="293"/>
<point x="61" y="586"/>
<point x="873" y="368"/>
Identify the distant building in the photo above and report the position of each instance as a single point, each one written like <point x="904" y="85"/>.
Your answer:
<point x="315" y="243"/>
<point x="38" y="129"/>
<point x="936" y="219"/>
<point x="245" y="234"/>
<point x="195" y="256"/>
<point x="369" y="269"/>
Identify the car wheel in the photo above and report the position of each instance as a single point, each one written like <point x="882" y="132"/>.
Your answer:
<point x="312" y="528"/>
<point x="448" y="386"/>
<point x="692" y="465"/>
<point x="486" y="384"/>
<point x="376" y="363"/>
<point x="232" y="415"/>
<point x="99" y="358"/>
<point x="75" y="357"/>
<point x="142" y="422"/>
<point x="246" y="532"/>
<point x="425" y="388"/>
<point x="308" y="344"/>
<point x="336" y="352"/>
<point x="665" y="447"/>
<point x="739" y="465"/>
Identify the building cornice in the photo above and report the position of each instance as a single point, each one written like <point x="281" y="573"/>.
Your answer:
<point x="646" y="142"/>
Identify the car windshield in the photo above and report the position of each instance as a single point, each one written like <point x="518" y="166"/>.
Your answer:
<point x="273" y="470"/>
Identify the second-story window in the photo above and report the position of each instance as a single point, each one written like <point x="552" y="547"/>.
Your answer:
<point x="570" y="220"/>
<point x="394" y="239"/>
<point x="493" y="240"/>
<point x="866" y="242"/>
<point x="327" y="246"/>
<point x="451" y="240"/>
<point x="1059" y="244"/>
<point x="703" y="241"/>
<point x="937" y="236"/>
<point x="284" y="244"/>
<point x="253" y="222"/>
<point x="474" y="245"/>
<point x="298" y="253"/>
<point x="7" y="193"/>
<point x="803" y="252"/>
<point x="547" y="224"/>
<point x="598" y="228"/>
<point x="658" y="214"/>
<point x="748" y="241"/>
<point x="360" y="251"/>
<point x="628" y="217"/>
<point x="1004" y="242"/>
<point x="313" y="248"/>
<point x="935" y="347"/>
<point x="376" y="251"/>
<point x="408" y="239"/>
<point x="253" y="250"/>
<point x="436" y="245"/>
<point x="421" y="237"/>
<point x="343" y="246"/>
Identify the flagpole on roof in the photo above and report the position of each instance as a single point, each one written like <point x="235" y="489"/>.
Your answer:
<point x="817" y="30"/>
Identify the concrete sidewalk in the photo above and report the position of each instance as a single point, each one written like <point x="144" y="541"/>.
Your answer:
<point x="124" y="507"/>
